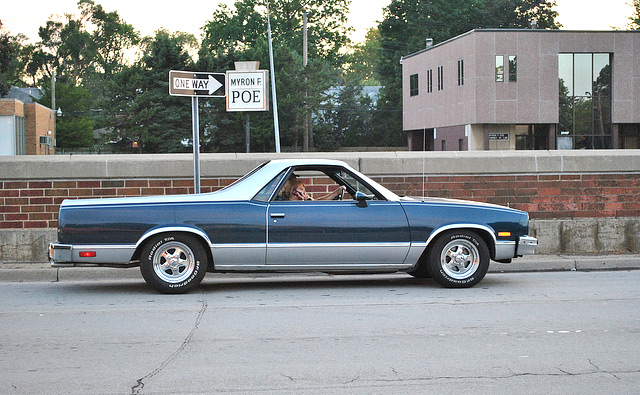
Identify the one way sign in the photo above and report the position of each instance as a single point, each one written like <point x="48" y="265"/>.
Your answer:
<point x="194" y="83"/>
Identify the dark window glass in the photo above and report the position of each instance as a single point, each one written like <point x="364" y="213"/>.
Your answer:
<point x="499" y="68"/>
<point x="429" y="81"/>
<point x="440" y="78"/>
<point x="460" y="72"/>
<point x="513" y="68"/>
<point x="460" y="144"/>
<point x="413" y="85"/>
<point x="444" y="145"/>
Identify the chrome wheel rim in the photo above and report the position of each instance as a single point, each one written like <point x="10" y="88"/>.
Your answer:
<point x="460" y="258"/>
<point x="174" y="262"/>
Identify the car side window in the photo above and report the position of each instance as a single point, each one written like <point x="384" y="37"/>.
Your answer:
<point x="265" y="193"/>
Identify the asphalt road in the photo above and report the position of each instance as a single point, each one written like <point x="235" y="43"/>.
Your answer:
<point x="534" y="333"/>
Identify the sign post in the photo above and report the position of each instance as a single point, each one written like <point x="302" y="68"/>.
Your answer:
<point x="196" y="84"/>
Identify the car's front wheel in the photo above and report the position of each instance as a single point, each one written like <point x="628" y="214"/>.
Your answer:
<point x="173" y="263"/>
<point x="459" y="259"/>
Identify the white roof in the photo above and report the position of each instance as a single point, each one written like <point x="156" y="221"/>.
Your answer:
<point x="242" y="190"/>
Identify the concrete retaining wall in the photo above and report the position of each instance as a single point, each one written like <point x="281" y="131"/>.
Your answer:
<point x="579" y="201"/>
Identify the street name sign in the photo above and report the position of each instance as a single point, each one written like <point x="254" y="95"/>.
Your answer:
<point x="247" y="90"/>
<point x="196" y="84"/>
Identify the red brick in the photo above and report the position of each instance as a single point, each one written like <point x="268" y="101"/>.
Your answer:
<point x="9" y="192"/>
<point x="136" y="183"/>
<point x="151" y="191"/>
<point x="41" y="200"/>
<point x="11" y="225"/>
<point x="80" y="192"/>
<point x="159" y="183"/>
<point x="32" y="209"/>
<point x="40" y="216"/>
<point x="40" y="184"/>
<point x="16" y="217"/>
<point x="52" y="224"/>
<point x="32" y="192"/>
<point x="128" y="191"/>
<point x="9" y="209"/>
<point x="58" y="192"/>
<point x="16" y="201"/>
<point x="36" y="224"/>
<point x="104" y="192"/>
<point x="628" y="213"/>
<point x="14" y="185"/>
<point x="176" y="191"/>
<point x="88" y="184"/>
<point x="210" y="182"/>
<point x="64" y="184"/>
<point x="182" y="183"/>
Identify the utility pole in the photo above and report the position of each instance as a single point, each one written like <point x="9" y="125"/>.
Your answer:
<point x="273" y="83"/>
<point x="307" y="137"/>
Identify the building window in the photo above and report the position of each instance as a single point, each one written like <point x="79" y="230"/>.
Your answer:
<point x="440" y="79"/>
<point x="413" y="85"/>
<point x="460" y="144"/>
<point x="429" y="80"/>
<point x="460" y="72"/>
<point x="584" y="101"/>
<point x="513" y="68"/>
<point x="499" y="68"/>
<point x="444" y="145"/>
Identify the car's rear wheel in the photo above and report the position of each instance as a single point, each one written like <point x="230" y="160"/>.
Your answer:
<point x="458" y="259"/>
<point x="173" y="263"/>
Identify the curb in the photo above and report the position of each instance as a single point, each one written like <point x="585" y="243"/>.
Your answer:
<point x="40" y="271"/>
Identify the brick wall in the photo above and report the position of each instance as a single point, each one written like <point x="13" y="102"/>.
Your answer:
<point x="35" y="204"/>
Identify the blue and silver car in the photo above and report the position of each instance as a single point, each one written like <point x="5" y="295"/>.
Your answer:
<point x="255" y="224"/>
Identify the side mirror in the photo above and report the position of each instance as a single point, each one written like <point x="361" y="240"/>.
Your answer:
<point x="362" y="199"/>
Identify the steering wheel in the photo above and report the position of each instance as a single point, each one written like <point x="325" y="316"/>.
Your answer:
<point x="340" y="194"/>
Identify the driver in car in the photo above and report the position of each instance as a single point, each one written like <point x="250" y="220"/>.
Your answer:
<point x="296" y="190"/>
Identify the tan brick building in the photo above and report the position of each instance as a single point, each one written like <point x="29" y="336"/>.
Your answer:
<point x="26" y="128"/>
<point x="504" y="89"/>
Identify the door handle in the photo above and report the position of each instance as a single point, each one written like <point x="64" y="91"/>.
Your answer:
<point x="276" y="215"/>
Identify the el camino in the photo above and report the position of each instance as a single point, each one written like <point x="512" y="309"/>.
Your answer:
<point x="291" y="216"/>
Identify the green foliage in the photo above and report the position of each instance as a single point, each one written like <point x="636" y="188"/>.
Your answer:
<point x="13" y="56"/>
<point x="139" y="108"/>
<point x="241" y="34"/>
<point x="360" y="69"/>
<point x="74" y="129"/>
<point x="634" y="19"/>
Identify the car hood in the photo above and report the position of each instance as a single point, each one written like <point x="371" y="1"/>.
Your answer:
<point x="452" y="202"/>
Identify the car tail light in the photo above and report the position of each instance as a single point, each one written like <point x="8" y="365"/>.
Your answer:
<point x="87" y="254"/>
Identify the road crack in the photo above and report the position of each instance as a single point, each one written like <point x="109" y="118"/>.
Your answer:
<point x="140" y="382"/>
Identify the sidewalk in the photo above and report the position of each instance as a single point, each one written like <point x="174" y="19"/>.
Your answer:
<point x="31" y="272"/>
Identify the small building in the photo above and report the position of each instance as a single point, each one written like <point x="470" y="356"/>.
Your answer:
<point x="505" y="89"/>
<point x="26" y="128"/>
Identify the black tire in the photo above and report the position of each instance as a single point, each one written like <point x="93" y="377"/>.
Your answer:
<point x="458" y="259"/>
<point x="173" y="263"/>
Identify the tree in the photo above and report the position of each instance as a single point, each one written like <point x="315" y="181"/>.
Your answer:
<point x="241" y="34"/>
<point x="74" y="129"/>
<point x="361" y="62"/>
<point x="139" y="108"/>
<point x="407" y="23"/>
<point x="12" y="60"/>
<point x="634" y="19"/>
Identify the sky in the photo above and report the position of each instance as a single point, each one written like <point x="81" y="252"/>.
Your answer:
<point x="190" y="15"/>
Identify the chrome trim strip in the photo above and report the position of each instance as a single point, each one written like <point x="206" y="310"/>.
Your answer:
<point x="62" y="254"/>
<point x="155" y="231"/>
<point x="314" y="267"/>
<point x="505" y="250"/>
<point x="336" y="245"/>
<point x="441" y="229"/>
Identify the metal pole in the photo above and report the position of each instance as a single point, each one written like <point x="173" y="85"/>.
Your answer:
<point x="53" y="91"/>
<point x="273" y="84"/>
<point x="247" y="133"/>
<point x="196" y="143"/>
<point x="305" y="135"/>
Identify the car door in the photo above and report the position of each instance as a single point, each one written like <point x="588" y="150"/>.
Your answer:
<point x="336" y="233"/>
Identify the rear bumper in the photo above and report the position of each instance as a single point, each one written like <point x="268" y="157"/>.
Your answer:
<point x="68" y="255"/>
<point x="526" y="245"/>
